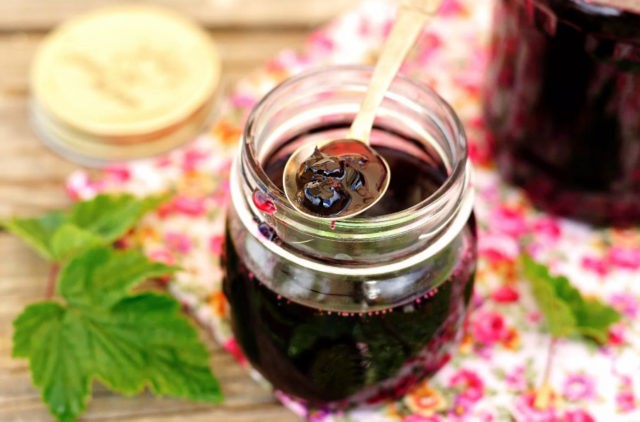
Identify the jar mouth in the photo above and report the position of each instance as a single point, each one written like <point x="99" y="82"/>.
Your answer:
<point x="453" y="153"/>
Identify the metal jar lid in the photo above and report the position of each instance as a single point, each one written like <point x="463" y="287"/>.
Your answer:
<point x="122" y="83"/>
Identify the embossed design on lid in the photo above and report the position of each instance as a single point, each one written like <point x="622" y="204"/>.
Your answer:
<point x="122" y="77"/>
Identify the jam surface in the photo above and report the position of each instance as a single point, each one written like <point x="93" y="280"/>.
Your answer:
<point x="563" y="101"/>
<point x="342" y="176"/>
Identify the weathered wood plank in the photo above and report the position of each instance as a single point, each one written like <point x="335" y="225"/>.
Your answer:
<point x="39" y="15"/>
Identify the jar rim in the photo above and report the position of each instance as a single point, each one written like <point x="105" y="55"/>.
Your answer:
<point x="459" y="165"/>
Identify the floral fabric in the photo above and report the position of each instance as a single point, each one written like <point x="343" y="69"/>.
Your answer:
<point x="498" y="370"/>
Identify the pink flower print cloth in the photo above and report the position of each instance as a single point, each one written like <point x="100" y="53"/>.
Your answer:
<point x="500" y="362"/>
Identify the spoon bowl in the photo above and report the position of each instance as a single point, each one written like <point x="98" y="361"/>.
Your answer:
<point x="373" y="168"/>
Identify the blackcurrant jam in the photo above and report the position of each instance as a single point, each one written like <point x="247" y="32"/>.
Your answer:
<point x="563" y="101"/>
<point x="342" y="176"/>
<point x="342" y="313"/>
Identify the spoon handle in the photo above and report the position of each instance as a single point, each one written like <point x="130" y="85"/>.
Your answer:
<point x="411" y="17"/>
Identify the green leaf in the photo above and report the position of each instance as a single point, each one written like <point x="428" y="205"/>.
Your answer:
<point x="149" y="327"/>
<point x="37" y="232"/>
<point x="102" y="275"/>
<point x="566" y="311"/>
<point x="28" y="324"/>
<point x="69" y="240"/>
<point x="58" y="236"/>
<point x="595" y="318"/>
<point x="111" y="216"/>
<point x="557" y="312"/>
<point x="104" y="333"/>
<point x="45" y="334"/>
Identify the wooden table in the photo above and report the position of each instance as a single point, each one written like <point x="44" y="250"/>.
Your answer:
<point x="32" y="182"/>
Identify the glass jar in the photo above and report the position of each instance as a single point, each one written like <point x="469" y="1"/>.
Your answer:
<point x="563" y="101"/>
<point x="339" y="313"/>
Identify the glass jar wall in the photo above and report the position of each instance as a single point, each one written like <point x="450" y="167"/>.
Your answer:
<point x="356" y="310"/>
<point x="563" y="102"/>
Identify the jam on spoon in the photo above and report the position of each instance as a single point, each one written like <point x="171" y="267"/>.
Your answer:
<point x="339" y="175"/>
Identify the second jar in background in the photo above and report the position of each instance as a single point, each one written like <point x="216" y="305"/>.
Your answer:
<point x="563" y="102"/>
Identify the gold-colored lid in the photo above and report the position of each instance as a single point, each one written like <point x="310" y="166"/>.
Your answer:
<point x="125" y="71"/>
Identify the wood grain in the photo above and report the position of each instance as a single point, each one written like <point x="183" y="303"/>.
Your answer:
<point x="32" y="181"/>
<point x="20" y="15"/>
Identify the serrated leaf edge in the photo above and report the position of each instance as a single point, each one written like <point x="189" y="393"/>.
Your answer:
<point x="593" y="333"/>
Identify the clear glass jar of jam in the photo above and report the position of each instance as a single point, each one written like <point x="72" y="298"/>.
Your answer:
<point x="339" y="313"/>
<point x="563" y="101"/>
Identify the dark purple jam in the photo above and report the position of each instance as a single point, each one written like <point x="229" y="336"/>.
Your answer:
<point x="563" y="101"/>
<point x="342" y="176"/>
<point x="334" y="358"/>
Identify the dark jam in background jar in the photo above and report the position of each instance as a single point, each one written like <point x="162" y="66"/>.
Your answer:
<point x="349" y="312"/>
<point x="563" y="102"/>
